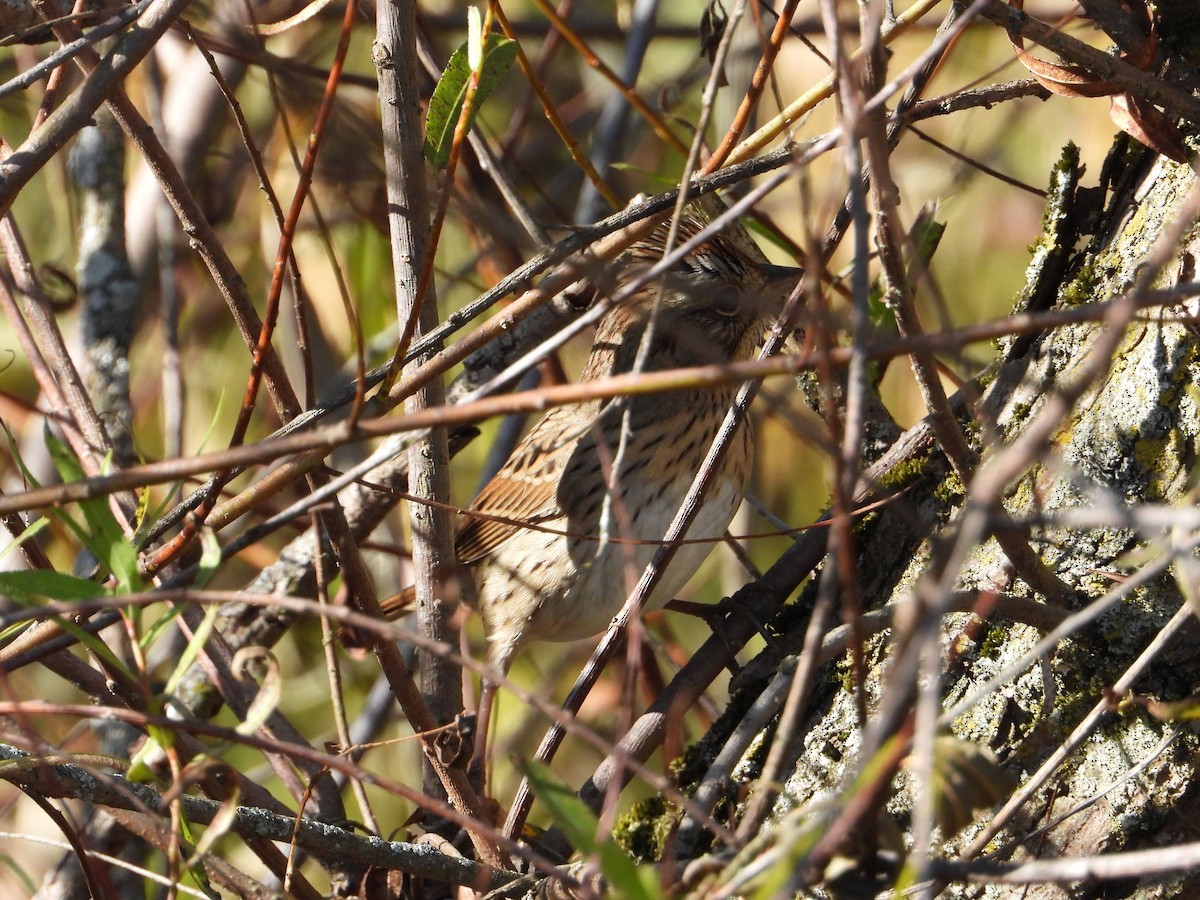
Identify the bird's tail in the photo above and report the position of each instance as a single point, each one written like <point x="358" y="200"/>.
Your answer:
<point x="393" y="608"/>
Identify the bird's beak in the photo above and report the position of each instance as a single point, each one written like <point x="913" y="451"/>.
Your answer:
<point x="778" y="284"/>
<point x="781" y="274"/>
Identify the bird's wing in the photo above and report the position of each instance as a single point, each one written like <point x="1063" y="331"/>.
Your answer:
<point x="523" y="492"/>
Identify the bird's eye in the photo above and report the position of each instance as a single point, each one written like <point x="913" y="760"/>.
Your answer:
<point x="726" y="300"/>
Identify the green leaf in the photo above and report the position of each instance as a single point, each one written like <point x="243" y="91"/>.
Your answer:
<point x="192" y="650"/>
<point x="923" y="239"/>
<point x="210" y="559"/>
<point x="103" y="535"/>
<point x="40" y="584"/>
<point x="15" y="451"/>
<point x="445" y="106"/>
<point x="158" y="739"/>
<point x="9" y="862"/>
<point x="925" y="234"/>
<point x="879" y="313"/>
<point x="64" y="458"/>
<point x="57" y="585"/>
<point x="222" y="824"/>
<point x="474" y="39"/>
<point x="92" y="642"/>
<point x="667" y="181"/>
<point x="570" y="814"/>
<point x="210" y="556"/>
<point x="32" y="587"/>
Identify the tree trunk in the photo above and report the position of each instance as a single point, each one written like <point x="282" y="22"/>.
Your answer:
<point x="1105" y="505"/>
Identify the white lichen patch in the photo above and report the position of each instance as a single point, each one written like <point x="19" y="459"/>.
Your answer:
<point x="829" y="758"/>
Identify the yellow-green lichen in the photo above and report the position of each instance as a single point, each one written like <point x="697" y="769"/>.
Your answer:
<point x="1024" y="492"/>
<point x="864" y="523"/>
<point x="1083" y="287"/>
<point x="994" y="642"/>
<point x="643" y="831"/>
<point x="1020" y="411"/>
<point x="973" y="432"/>
<point x="950" y="490"/>
<point x="1063" y="179"/>
<point x="1158" y="460"/>
<point x="903" y="473"/>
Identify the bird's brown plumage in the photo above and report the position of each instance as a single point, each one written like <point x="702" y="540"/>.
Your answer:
<point x="555" y="538"/>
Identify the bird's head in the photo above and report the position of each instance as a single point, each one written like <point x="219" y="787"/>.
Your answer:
<point x="716" y="302"/>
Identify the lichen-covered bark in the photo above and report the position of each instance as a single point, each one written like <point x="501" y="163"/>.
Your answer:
<point x="1131" y="440"/>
